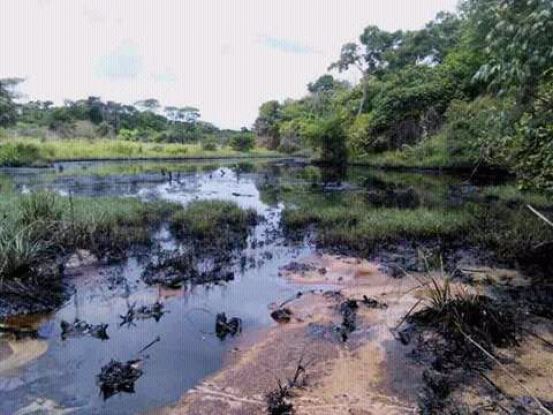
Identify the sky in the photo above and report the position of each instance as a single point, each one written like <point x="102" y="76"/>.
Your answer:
<point x="225" y="57"/>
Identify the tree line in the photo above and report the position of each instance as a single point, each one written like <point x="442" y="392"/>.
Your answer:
<point x="477" y="82"/>
<point x="145" y="120"/>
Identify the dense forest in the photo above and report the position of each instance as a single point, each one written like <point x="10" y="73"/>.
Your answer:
<point x="471" y="89"/>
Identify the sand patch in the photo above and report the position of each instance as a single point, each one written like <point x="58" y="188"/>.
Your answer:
<point x="355" y="377"/>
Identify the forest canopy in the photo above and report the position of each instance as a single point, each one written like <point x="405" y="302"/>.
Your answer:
<point x="469" y="89"/>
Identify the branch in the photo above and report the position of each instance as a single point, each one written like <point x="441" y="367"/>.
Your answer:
<point x="504" y="369"/>
<point x="540" y="215"/>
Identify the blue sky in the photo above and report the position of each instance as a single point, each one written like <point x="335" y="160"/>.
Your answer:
<point x="224" y="56"/>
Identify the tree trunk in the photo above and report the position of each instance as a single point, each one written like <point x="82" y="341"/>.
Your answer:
<point x="364" y="98"/>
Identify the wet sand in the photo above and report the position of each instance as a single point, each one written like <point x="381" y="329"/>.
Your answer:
<point x="368" y="374"/>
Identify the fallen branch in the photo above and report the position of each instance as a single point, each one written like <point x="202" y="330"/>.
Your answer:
<point x="506" y="371"/>
<point x="540" y="215"/>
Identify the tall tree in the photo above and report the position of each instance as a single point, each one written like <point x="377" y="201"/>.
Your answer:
<point x="8" y="108"/>
<point x="150" y="104"/>
<point x="267" y="123"/>
<point x="368" y="58"/>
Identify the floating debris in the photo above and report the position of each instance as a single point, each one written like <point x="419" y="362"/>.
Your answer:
<point x="282" y="315"/>
<point x="80" y="328"/>
<point x="176" y="269"/>
<point x="373" y="303"/>
<point x="116" y="377"/>
<point x="224" y="327"/>
<point x="144" y="312"/>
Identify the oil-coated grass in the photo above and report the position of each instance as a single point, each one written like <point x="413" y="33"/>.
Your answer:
<point x="458" y="313"/>
<point x="38" y="226"/>
<point x="215" y="223"/>
<point x="354" y="224"/>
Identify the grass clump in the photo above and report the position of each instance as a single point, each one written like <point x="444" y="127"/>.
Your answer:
<point x="215" y="223"/>
<point x="42" y="225"/>
<point x="39" y="230"/>
<point x="361" y="229"/>
<point x="459" y="313"/>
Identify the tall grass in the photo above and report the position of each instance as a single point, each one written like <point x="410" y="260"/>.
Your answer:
<point x="216" y="223"/>
<point x="456" y="313"/>
<point x="26" y="151"/>
<point x="38" y="226"/>
<point x="19" y="250"/>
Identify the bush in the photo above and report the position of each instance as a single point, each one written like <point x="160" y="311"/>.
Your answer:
<point x="17" y="155"/>
<point x="209" y="145"/>
<point x="127" y="135"/>
<point x="329" y="137"/>
<point x="242" y="142"/>
<point x="470" y="128"/>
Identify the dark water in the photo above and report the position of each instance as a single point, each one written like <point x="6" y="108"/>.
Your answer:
<point x="188" y="350"/>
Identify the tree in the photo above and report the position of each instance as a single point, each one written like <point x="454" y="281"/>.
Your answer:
<point x="189" y="115"/>
<point x="519" y="44"/>
<point x="329" y="136"/>
<point x="368" y="58"/>
<point x="266" y="126"/>
<point x="171" y="113"/>
<point x="150" y="104"/>
<point x="8" y="109"/>
<point x="243" y="141"/>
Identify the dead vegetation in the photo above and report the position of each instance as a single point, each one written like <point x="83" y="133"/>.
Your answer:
<point x="81" y="328"/>
<point x="117" y="377"/>
<point x="227" y="327"/>
<point x="144" y="312"/>
<point x="279" y="400"/>
<point x="460" y="335"/>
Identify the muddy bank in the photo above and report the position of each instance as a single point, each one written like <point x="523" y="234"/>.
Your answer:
<point x="369" y="372"/>
<point x="349" y="344"/>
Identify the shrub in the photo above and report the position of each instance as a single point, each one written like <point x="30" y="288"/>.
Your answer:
<point x="242" y="142"/>
<point x="17" y="155"/>
<point x="127" y="135"/>
<point x="471" y="127"/>
<point x="209" y="145"/>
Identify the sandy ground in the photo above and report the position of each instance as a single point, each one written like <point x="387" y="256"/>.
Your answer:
<point x="369" y="374"/>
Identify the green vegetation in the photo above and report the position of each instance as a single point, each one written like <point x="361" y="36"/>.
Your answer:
<point x="469" y="89"/>
<point x="457" y="314"/>
<point x="361" y="230"/>
<point x="28" y="151"/>
<point x="242" y="142"/>
<point x="214" y="223"/>
<point x="36" y="132"/>
<point x="40" y="226"/>
<point x="391" y="207"/>
<point x="19" y="154"/>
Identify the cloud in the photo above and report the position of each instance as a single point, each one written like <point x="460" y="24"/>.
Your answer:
<point x="122" y="63"/>
<point x="285" y="45"/>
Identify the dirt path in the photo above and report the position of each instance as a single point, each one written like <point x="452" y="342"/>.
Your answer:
<point x="367" y="374"/>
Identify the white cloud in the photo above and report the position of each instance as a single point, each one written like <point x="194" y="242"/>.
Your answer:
<point x="225" y="57"/>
